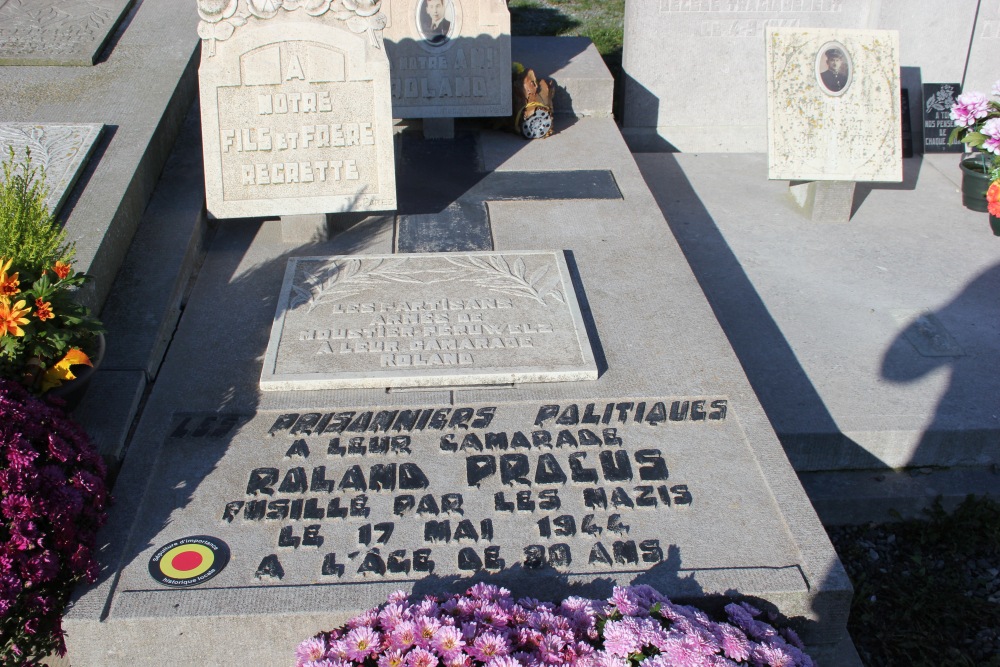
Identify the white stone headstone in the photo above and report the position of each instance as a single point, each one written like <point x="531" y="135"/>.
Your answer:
<point x="983" y="68"/>
<point x="296" y="115"/>
<point x="686" y="62"/>
<point x="427" y="319"/>
<point x="449" y="58"/>
<point x="62" y="151"/>
<point x="833" y="105"/>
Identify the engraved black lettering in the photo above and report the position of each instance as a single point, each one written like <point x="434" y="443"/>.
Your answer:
<point x="334" y="510"/>
<point x="277" y="509"/>
<point x="283" y="423"/>
<point x="548" y="500"/>
<point x="683" y="496"/>
<point x="421" y="424"/>
<point x="664" y="494"/>
<point x="611" y="438"/>
<point x="372" y="563"/>
<point x="566" y="439"/>
<point x="298" y="448"/>
<point x="570" y="416"/>
<point x="640" y="412"/>
<point x="319" y="481"/>
<point x="626" y="553"/>
<point x="590" y="528"/>
<point x="514" y="468"/>
<point x="232" y="510"/>
<point x="548" y="470"/>
<point x="657" y="414"/>
<point x="294" y="481"/>
<point x="439" y="419"/>
<point x="403" y="504"/>
<point x="541" y="439"/>
<point x="383" y="420"/>
<point x="645" y="497"/>
<point x="616" y="526"/>
<point x="311" y="536"/>
<point x="486" y="529"/>
<point x="405" y="421"/>
<point x="339" y="423"/>
<point x="497" y="441"/>
<point x="651" y="551"/>
<point x="519" y="441"/>
<point x="479" y="467"/>
<point x="560" y="555"/>
<point x="595" y="498"/>
<point x="469" y="560"/>
<point x="428" y="505"/>
<point x="545" y="412"/>
<point x="719" y="410"/>
<point x="359" y="506"/>
<point x="461" y="418"/>
<point x="698" y="411"/>
<point x="588" y="438"/>
<point x="378" y="445"/>
<point x="616" y="466"/>
<point x="401" y="444"/>
<point x="534" y="556"/>
<point x="545" y="527"/>
<point x="620" y="498"/>
<point x="262" y="480"/>
<point x="524" y="502"/>
<point x="598" y="554"/>
<point x="330" y="566"/>
<point x="579" y="473"/>
<point x="356" y="446"/>
<point x="353" y="479"/>
<point x="382" y="477"/>
<point x="422" y="560"/>
<point x="360" y="425"/>
<point x="452" y="502"/>
<point x="295" y="509"/>
<point x="448" y="443"/>
<point x="472" y="441"/>
<point x="397" y="562"/>
<point x="492" y="560"/>
<point x="484" y="417"/>
<point x="412" y="477"/>
<point x="609" y="410"/>
<point x="312" y="510"/>
<point x="465" y="530"/>
<point x="500" y="504"/>
<point x="565" y="525"/>
<point x="679" y="410"/>
<point x="589" y="417"/>
<point x="335" y="449"/>
<point x="652" y="467"/>
<point x="255" y="510"/>
<point x="623" y="409"/>
<point x="270" y="566"/>
<point x="437" y="531"/>
<point x="365" y="534"/>
<point x="305" y="423"/>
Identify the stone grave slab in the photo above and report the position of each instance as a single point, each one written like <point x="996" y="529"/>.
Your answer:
<point x="981" y="71"/>
<point x="61" y="150"/>
<point x="449" y="58"/>
<point x="938" y="99"/>
<point x="296" y="115"/>
<point x="57" y="32"/>
<point x="833" y="123"/>
<point x="427" y="319"/>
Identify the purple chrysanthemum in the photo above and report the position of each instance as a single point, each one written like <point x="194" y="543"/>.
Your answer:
<point x="361" y="642"/>
<point x="310" y="650"/>
<point x="418" y="657"/>
<point x="489" y="645"/>
<point x="991" y="129"/>
<point x="447" y="641"/>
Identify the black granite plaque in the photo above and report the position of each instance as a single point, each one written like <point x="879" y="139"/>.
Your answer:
<point x="904" y="98"/>
<point x="938" y="100"/>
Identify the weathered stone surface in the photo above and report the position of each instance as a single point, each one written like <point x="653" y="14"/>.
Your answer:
<point x="61" y="150"/>
<point x="295" y="114"/>
<point x="825" y="124"/>
<point x="459" y="68"/>
<point x="57" y="32"/>
<point x="982" y="70"/>
<point x="430" y="319"/>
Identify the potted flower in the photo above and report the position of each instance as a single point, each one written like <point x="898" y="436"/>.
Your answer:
<point x="44" y="332"/>
<point x="53" y="497"/>
<point x="977" y="124"/>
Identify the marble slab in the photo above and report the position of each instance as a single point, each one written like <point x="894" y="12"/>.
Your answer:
<point x="61" y="150"/>
<point x="456" y="66"/>
<point x="57" y="32"/>
<point x="827" y="124"/>
<point x="427" y="319"/>
<point x="296" y="116"/>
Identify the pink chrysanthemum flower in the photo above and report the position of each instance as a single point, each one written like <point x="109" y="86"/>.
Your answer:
<point x="681" y="652"/>
<point x="361" y="642"/>
<point x="991" y="129"/>
<point x="426" y="629"/>
<point x="772" y="656"/>
<point x="606" y="659"/>
<point x="969" y="108"/>
<point x="447" y="641"/>
<point x="310" y="650"/>
<point x="418" y="657"/>
<point x="393" y="658"/>
<point x="403" y="636"/>
<point x="365" y="620"/>
<point x="550" y="649"/>
<point x="503" y="661"/>
<point x="489" y="645"/>
<point x="620" y="638"/>
<point x="733" y="642"/>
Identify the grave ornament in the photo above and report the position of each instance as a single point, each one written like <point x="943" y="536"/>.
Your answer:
<point x="296" y="112"/>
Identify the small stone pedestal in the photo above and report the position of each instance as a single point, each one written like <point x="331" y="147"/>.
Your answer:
<point x="439" y="128"/>
<point x="824" y="201"/>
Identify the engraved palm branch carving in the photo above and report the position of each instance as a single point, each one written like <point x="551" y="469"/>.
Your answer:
<point x="336" y="280"/>
<point x="496" y="273"/>
<point x="83" y="15"/>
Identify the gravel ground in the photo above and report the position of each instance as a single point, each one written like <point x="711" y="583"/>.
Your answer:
<point x="926" y="592"/>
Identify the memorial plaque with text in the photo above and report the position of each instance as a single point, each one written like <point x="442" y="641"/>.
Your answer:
<point x="427" y="319"/>
<point x="57" y="32"/>
<point x="938" y="124"/>
<point x="833" y="105"/>
<point x="296" y="116"/>
<point x="329" y="510"/>
<point x="449" y="58"/>
<point x="61" y="150"/>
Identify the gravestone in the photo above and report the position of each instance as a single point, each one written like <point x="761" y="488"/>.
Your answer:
<point x="61" y="151"/>
<point x="431" y="319"/>
<point x="449" y="58"/>
<point x="57" y="32"/>
<point x="665" y="98"/>
<point x="833" y="115"/>
<point x="296" y="115"/>
<point x="938" y="99"/>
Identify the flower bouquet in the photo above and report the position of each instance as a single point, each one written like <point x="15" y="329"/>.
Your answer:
<point x="977" y="124"/>
<point x="485" y="627"/>
<point x="43" y="330"/>
<point x="52" y="501"/>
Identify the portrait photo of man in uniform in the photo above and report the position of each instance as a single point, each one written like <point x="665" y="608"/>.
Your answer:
<point x="434" y="25"/>
<point x="837" y="72"/>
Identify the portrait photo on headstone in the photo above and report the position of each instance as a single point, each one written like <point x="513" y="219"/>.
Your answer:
<point x="834" y="69"/>
<point x="436" y="20"/>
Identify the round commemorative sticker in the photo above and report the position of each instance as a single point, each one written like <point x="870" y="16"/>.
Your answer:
<point x="189" y="561"/>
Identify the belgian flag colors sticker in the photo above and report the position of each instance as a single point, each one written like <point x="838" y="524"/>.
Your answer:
<point x="189" y="561"/>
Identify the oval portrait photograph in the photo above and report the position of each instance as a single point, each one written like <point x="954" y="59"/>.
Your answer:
<point x="436" y="20"/>
<point x="834" y="69"/>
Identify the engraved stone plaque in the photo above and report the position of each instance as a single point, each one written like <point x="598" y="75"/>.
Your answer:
<point x="833" y="105"/>
<point x="427" y="319"/>
<point x="61" y="150"/>
<point x="329" y="510"/>
<point x="938" y="99"/>
<point x="449" y="58"/>
<point x="57" y="32"/>
<point x="296" y="115"/>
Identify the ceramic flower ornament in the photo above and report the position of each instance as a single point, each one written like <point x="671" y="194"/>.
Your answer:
<point x="264" y="9"/>
<point x="312" y="7"/>
<point x="363" y="7"/>
<point x="213" y="11"/>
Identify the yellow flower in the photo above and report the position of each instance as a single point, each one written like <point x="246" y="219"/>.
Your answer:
<point x="9" y="284"/>
<point x="11" y="317"/>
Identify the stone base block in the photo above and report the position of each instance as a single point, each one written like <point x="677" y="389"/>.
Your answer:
<point x="824" y="201"/>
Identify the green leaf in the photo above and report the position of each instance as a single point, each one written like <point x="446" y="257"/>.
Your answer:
<point x="975" y="139"/>
<point x="953" y="137"/>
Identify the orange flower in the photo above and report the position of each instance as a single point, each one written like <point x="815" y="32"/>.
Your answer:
<point x="11" y="317"/>
<point x="43" y="310"/>
<point x="62" y="270"/>
<point x="9" y="284"/>
<point x="993" y="198"/>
